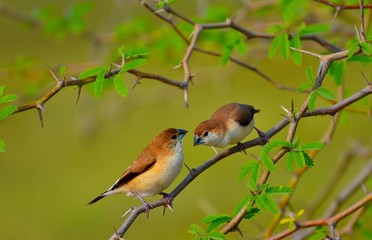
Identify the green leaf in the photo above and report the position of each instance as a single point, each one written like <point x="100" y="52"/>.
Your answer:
<point x="226" y="53"/>
<point x="135" y="52"/>
<point x="312" y="100"/>
<point x="305" y="86"/>
<point x="2" y="90"/>
<point x="274" y="46"/>
<point x="299" y="159"/>
<point x="251" y="213"/>
<point x="360" y="58"/>
<point x="247" y="169"/>
<point x="319" y="233"/>
<point x="196" y="229"/>
<point x="217" y="236"/>
<point x="275" y="29"/>
<point x="289" y="162"/>
<point x="312" y="146"/>
<point x="98" y="84"/>
<point x="337" y="72"/>
<point x="119" y="86"/>
<point x="278" y="190"/>
<point x="287" y="8"/>
<point x="353" y="48"/>
<point x="253" y="179"/>
<point x="163" y="3"/>
<point x="241" y="204"/>
<point x="308" y="161"/>
<point x="268" y="162"/>
<point x="366" y="48"/>
<point x="62" y="70"/>
<point x="263" y="187"/>
<point x="275" y="143"/>
<point x="241" y="46"/>
<point x="8" y="98"/>
<point x="315" y="28"/>
<point x="309" y="75"/>
<point x="216" y="221"/>
<point x="284" y="45"/>
<point x="265" y="202"/>
<point x="296" y="43"/>
<point x="280" y="143"/>
<point x="6" y="111"/>
<point x="133" y="64"/>
<point x="214" y="217"/>
<point x="92" y="72"/>
<point x="235" y="42"/>
<point x="326" y="93"/>
<point x="2" y="145"/>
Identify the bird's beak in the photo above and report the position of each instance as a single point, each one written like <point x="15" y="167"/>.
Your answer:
<point x="181" y="133"/>
<point x="198" y="140"/>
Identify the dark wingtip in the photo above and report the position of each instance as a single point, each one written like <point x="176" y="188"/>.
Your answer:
<point x="96" y="199"/>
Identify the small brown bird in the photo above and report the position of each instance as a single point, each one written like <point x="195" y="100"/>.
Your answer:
<point x="155" y="168"/>
<point x="228" y="125"/>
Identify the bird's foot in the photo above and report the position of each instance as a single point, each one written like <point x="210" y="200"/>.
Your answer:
<point x="241" y="147"/>
<point x="170" y="202"/>
<point x="145" y="205"/>
<point x="262" y="135"/>
<point x="147" y="208"/>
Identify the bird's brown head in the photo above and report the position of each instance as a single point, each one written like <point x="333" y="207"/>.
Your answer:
<point x="208" y="132"/>
<point x="169" y="138"/>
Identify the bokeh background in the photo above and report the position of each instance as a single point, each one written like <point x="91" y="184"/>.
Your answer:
<point x="48" y="175"/>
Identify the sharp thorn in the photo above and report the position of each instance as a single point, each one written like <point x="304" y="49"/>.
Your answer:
<point x="365" y="78"/>
<point x="292" y="107"/>
<point x="136" y="83"/>
<point x="169" y="206"/>
<point x="187" y="167"/>
<point x="54" y="75"/>
<point x="186" y="97"/>
<point x="127" y="212"/>
<point x="214" y="149"/>
<point x="40" y="117"/>
<point x="78" y="95"/>
<point x="285" y="110"/>
<point x="176" y="67"/>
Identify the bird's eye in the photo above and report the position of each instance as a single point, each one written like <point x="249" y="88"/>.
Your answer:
<point x="174" y="136"/>
<point x="205" y="133"/>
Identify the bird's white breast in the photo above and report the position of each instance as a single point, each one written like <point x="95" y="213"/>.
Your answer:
<point x="235" y="132"/>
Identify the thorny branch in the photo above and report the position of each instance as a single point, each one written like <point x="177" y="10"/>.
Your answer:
<point x="225" y="153"/>
<point x="192" y="46"/>
<point x="296" y="178"/>
<point x="330" y="221"/>
<point x="345" y="195"/>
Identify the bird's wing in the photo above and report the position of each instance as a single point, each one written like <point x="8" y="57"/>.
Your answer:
<point x="143" y="163"/>
<point x="241" y="113"/>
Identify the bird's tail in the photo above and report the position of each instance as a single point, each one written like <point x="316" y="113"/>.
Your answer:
<point x="98" y="198"/>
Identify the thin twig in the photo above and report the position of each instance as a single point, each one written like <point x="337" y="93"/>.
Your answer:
<point x="331" y="221"/>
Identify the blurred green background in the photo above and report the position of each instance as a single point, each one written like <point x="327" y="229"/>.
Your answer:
<point x="49" y="174"/>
